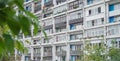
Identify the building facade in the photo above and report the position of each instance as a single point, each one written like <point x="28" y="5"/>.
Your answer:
<point x="68" y="23"/>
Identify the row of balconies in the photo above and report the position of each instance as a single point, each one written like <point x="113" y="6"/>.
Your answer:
<point x="59" y="53"/>
<point x="61" y="21"/>
<point x="94" y="32"/>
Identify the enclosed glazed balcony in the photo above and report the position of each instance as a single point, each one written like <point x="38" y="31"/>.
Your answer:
<point x="60" y="19"/>
<point x="47" y="58"/>
<point x="37" y="6"/>
<point x="37" y="52"/>
<point x="47" y="12"/>
<point x="47" y="51"/>
<point x="60" y="9"/>
<point x="76" y="49"/>
<point x="48" y="3"/>
<point x="61" y="51"/>
<point x="76" y="36"/>
<point x="48" y="40"/>
<point x="75" y="17"/>
<point x="75" y="4"/>
<point x="61" y="37"/>
<point x="76" y="52"/>
<point x="60" y="22"/>
<point x="60" y="1"/>
<point x="48" y="24"/>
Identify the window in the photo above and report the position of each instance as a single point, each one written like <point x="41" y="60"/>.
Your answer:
<point x="116" y="6"/>
<point x="27" y="0"/>
<point x="93" y="23"/>
<point x="89" y="12"/>
<point x="28" y="8"/>
<point x="113" y="30"/>
<point x="89" y="2"/>
<point x="72" y="37"/>
<point x="46" y="1"/>
<point x="61" y="37"/>
<point x="94" y="11"/>
<point x="92" y="1"/>
<point x="72" y="27"/>
<point x="111" y="19"/>
<point x="95" y="32"/>
<point x="99" y="10"/>
<point x="102" y="20"/>
<point x="111" y="7"/>
<point x="79" y="15"/>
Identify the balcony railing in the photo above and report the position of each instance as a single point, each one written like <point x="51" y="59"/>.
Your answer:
<point x="37" y="54"/>
<point x="47" y="60"/>
<point x="61" y="53"/>
<point x="47" y="24"/>
<point x="75" y="52"/>
<point x="48" y="53"/>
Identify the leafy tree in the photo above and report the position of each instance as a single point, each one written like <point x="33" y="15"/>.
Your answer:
<point x="11" y="24"/>
<point x="95" y="52"/>
<point x="101" y="52"/>
<point x="114" y="52"/>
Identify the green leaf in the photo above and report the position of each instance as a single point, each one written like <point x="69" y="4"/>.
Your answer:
<point x="19" y="46"/>
<point x="35" y="28"/>
<point x="25" y="24"/>
<point x="31" y="15"/>
<point x="44" y="33"/>
<point x="19" y="4"/>
<point x="9" y="43"/>
<point x="14" y="26"/>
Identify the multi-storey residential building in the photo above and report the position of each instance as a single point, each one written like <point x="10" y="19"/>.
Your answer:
<point x="68" y="23"/>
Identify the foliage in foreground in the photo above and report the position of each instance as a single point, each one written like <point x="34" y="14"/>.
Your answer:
<point x="11" y="24"/>
<point x="101" y="52"/>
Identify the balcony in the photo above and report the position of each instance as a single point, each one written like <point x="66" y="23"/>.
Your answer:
<point x="60" y="9"/>
<point x="47" y="54"/>
<point x="47" y="12"/>
<point x="47" y="24"/>
<point x="76" y="4"/>
<point x="47" y="60"/>
<point x="92" y="1"/>
<point x="37" y="6"/>
<point x="76" y="36"/>
<point x="75" y="52"/>
<point x="28" y="54"/>
<point x="77" y="20"/>
<point x="60" y="38"/>
<point x="49" y="4"/>
<point x="61" y="53"/>
<point x="36" y="54"/>
<point x="60" y="1"/>
<point x="49" y="40"/>
<point x="60" y="21"/>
